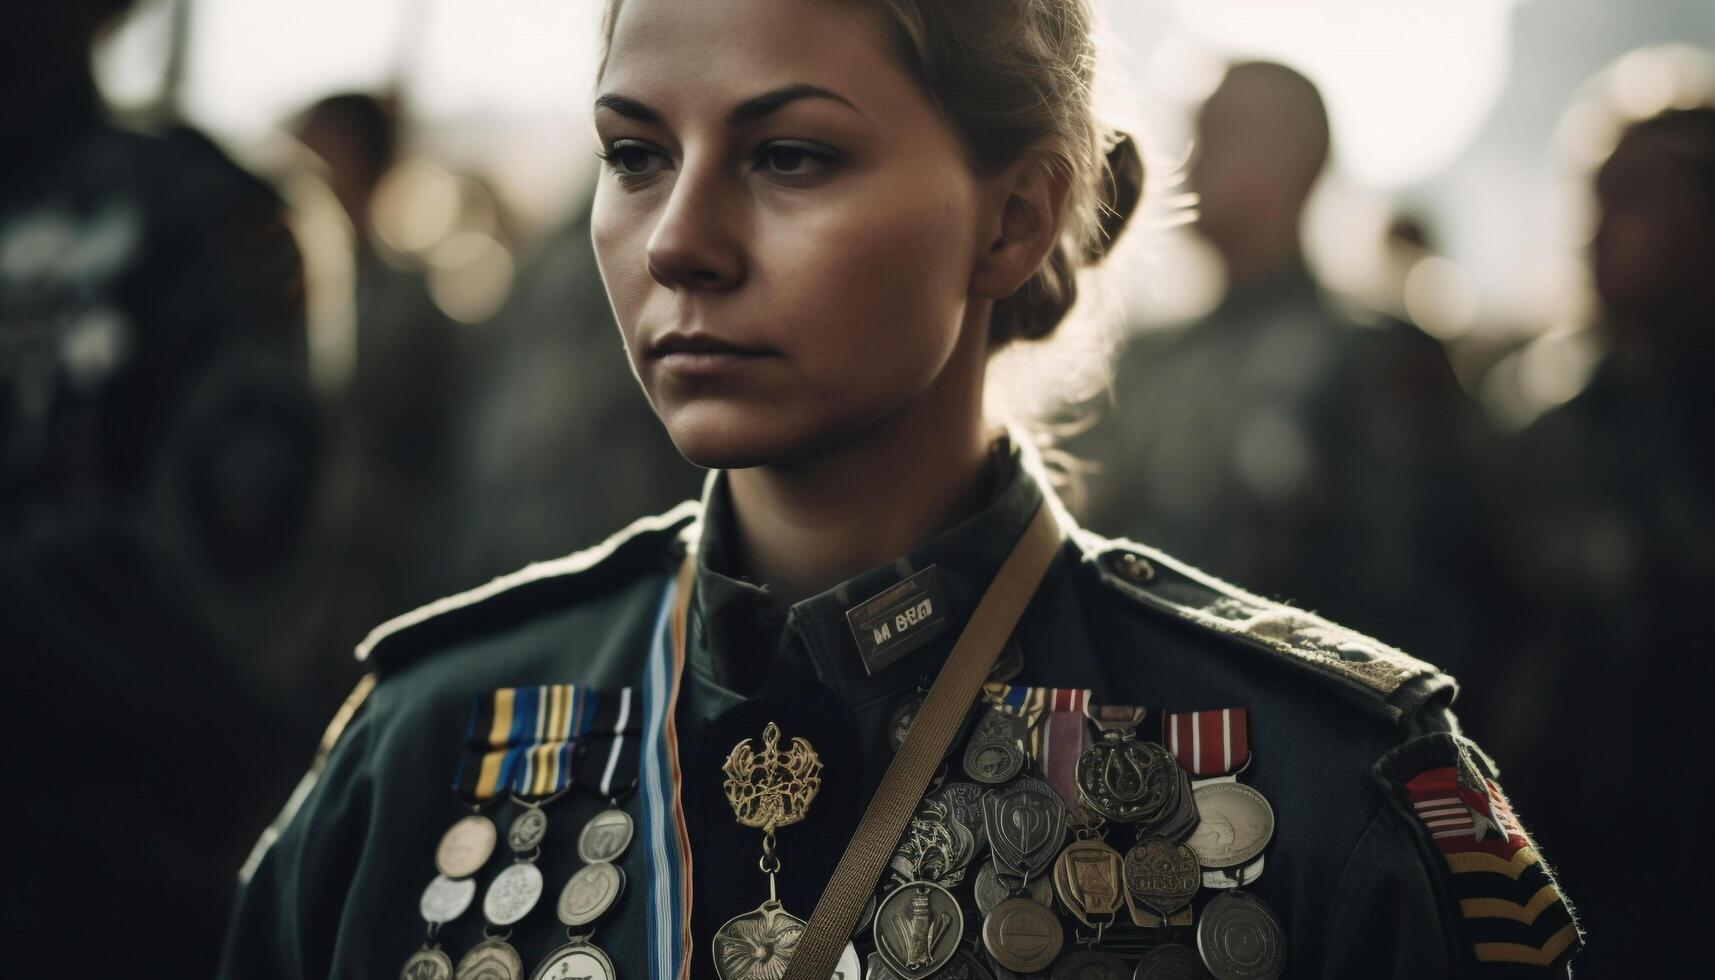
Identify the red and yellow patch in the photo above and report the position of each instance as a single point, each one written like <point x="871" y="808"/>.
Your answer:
<point x="1514" y="913"/>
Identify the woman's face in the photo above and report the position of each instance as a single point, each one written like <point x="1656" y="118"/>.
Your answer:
<point x="785" y="226"/>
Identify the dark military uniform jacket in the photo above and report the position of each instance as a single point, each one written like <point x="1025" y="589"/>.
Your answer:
<point x="1345" y="736"/>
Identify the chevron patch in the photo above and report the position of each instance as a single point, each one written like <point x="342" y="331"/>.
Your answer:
<point x="1513" y="912"/>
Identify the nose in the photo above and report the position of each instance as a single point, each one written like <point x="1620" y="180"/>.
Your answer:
<point x="694" y="245"/>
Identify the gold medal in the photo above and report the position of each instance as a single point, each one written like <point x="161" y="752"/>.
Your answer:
<point x="465" y="847"/>
<point x="767" y="789"/>
<point x="1089" y="880"/>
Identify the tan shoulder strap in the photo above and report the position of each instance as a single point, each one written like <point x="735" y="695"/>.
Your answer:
<point x="949" y="699"/>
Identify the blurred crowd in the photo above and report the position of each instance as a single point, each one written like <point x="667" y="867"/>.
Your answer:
<point x="243" y="420"/>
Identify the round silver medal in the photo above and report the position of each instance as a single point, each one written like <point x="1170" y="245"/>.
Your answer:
<point x="465" y="847"/>
<point x="527" y="830"/>
<point x="1240" y="939"/>
<point x="1235" y="824"/>
<point x="917" y="929"/>
<point x="512" y="894"/>
<point x="575" y="961"/>
<point x="427" y="964"/>
<point x="445" y="899"/>
<point x="590" y="893"/>
<point x="605" y="837"/>
<point x="491" y="959"/>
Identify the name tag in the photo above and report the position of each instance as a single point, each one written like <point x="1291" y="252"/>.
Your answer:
<point x="900" y="620"/>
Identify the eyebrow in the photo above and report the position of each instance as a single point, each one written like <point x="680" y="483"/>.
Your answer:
<point x="749" y="110"/>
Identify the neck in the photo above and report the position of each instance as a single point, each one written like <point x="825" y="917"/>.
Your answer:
<point x="1260" y="255"/>
<point x="807" y="525"/>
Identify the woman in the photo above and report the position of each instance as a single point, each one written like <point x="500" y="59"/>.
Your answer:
<point x="817" y="224"/>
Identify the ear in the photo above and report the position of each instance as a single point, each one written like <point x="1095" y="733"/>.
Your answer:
<point x="1025" y="205"/>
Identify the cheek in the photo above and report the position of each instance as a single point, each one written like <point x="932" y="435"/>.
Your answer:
<point x="615" y="237"/>
<point x="882" y="286"/>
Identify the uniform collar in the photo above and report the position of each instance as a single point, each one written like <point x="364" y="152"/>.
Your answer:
<point x="733" y="619"/>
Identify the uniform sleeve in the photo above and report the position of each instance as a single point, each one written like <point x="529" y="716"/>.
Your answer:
<point x="287" y="914"/>
<point x="1446" y="883"/>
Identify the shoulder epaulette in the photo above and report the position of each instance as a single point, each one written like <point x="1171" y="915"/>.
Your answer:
<point x="1402" y="682"/>
<point x="639" y="547"/>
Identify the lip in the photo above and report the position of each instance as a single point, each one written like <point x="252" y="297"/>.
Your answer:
<point x="701" y="354"/>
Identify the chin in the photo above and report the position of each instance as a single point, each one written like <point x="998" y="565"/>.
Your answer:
<point x="726" y="437"/>
<point x="740" y="435"/>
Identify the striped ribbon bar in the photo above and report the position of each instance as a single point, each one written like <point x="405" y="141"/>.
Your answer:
<point x="1207" y="743"/>
<point x="1058" y="734"/>
<point x="534" y="741"/>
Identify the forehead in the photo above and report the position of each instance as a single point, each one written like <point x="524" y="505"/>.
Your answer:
<point x="675" y="53"/>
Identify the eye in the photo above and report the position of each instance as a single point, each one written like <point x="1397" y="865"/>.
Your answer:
<point x="795" y="159"/>
<point x="632" y="161"/>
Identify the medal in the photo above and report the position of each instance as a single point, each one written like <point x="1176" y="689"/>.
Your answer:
<point x="587" y="896"/>
<point x="1170" y="961"/>
<point x="446" y="899"/>
<point x="934" y="849"/>
<point x="917" y="929"/>
<point x="491" y="959"/>
<point x="589" y="893"/>
<point x="428" y="963"/>
<point x="465" y="847"/>
<point x="463" y="850"/>
<point x="1089" y="881"/>
<point x="605" y="837"/>
<point x="1026" y="823"/>
<point x="1162" y="877"/>
<point x="991" y="888"/>
<point x="575" y="961"/>
<point x="527" y="830"/>
<point x="1240" y="939"/>
<point x="964" y="804"/>
<point x="1022" y="936"/>
<point x="1090" y="964"/>
<point x="767" y="790"/>
<point x="1132" y="781"/>
<point x="1237" y="823"/>
<point x="512" y="894"/>
<point x="995" y="753"/>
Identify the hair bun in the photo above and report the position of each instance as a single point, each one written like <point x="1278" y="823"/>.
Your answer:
<point x="1121" y="189"/>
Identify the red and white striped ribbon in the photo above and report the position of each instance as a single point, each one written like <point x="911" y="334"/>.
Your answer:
<point x="1207" y="743"/>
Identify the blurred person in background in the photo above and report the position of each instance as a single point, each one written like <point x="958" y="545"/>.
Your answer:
<point x="547" y="410"/>
<point x="1610" y="522"/>
<point x="395" y="418"/>
<point x="158" y="457"/>
<point x="1280" y="442"/>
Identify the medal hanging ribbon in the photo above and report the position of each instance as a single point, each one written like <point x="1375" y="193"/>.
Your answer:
<point x="1207" y="743"/>
<point x="1058" y="734"/>
<point x="534" y="741"/>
